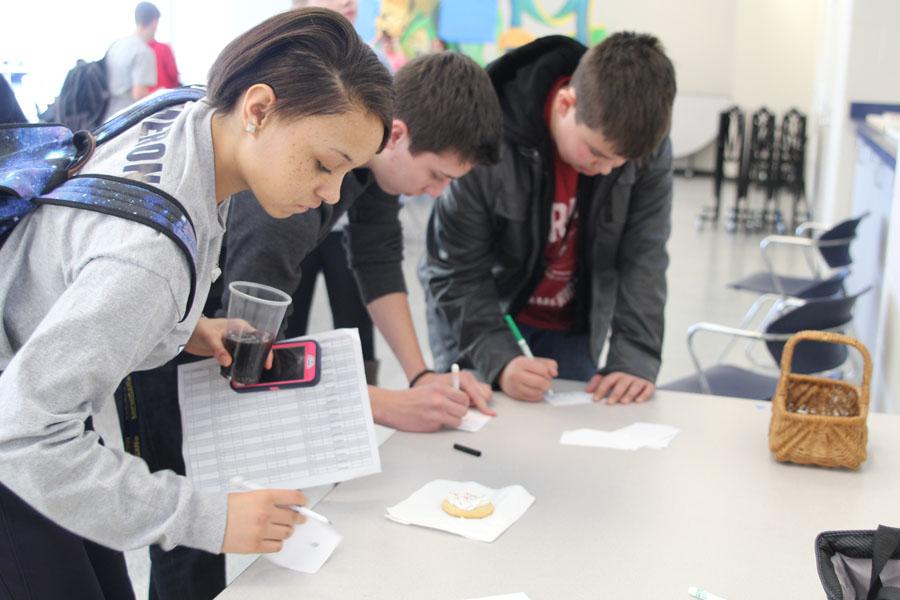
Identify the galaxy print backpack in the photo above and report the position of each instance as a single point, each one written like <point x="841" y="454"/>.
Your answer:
<point x="39" y="164"/>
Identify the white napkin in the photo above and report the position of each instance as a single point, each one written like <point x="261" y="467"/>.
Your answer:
<point x="423" y="508"/>
<point x="474" y="420"/>
<point x="308" y="549"/>
<point x="633" y="437"/>
<point x="568" y="398"/>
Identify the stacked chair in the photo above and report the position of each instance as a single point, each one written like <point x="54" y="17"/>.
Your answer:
<point x="729" y="158"/>
<point x="762" y="156"/>
<point x="789" y="163"/>
<point x="757" y="170"/>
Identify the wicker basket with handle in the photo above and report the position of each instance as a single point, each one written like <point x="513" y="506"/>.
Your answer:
<point x="816" y="420"/>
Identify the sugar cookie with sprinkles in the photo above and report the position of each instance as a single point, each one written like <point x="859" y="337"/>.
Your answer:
<point x="467" y="505"/>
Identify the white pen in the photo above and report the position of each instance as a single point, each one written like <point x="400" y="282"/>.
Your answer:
<point x="702" y="594"/>
<point x="454" y="373"/>
<point x="252" y="487"/>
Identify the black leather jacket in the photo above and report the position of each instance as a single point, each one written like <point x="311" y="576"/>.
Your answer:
<point x="486" y="236"/>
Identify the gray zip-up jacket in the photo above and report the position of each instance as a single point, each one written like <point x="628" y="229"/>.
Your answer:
<point x="487" y="233"/>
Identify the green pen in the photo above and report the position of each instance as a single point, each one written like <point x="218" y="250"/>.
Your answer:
<point x="523" y="345"/>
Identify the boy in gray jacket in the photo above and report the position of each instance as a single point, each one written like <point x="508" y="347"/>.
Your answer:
<point x="568" y="232"/>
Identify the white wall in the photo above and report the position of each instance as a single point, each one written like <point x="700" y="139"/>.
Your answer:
<point x="867" y="74"/>
<point x="698" y="37"/>
<point x="775" y="53"/>
<point x="201" y="28"/>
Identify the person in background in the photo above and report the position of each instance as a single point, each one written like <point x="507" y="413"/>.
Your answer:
<point x="166" y="69"/>
<point x="10" y="112"/>
<point x="131" y="63"/>
<point x="567" y="233"/>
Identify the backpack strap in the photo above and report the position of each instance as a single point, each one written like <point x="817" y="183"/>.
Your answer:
<point x="38" y="165"/>
<point x="134" y="201"/>
<point x="145" y="108"/>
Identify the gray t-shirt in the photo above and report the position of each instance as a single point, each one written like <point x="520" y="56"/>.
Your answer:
<point x="86" y="299"/>
<point x="129" y="62"/>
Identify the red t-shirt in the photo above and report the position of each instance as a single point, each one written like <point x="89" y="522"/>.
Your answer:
<point x="552" y="304"/>
<point x="166" y="70"/>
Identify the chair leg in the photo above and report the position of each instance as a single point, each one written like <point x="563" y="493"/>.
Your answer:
<point x="745" y="322"/>
<point x="775" y="311"/>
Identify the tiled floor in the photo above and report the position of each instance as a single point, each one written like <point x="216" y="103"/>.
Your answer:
<point x="701" y="264"/>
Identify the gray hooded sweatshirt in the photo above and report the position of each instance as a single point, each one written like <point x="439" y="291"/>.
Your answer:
<point x="86" y="299"/>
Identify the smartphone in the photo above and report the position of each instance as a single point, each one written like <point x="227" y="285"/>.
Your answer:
<point x="294" y="364"/>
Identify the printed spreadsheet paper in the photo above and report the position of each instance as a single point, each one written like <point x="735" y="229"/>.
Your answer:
<point x="293" y="438"/>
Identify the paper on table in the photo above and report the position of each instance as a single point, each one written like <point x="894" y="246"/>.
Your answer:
<point x="293" y="438"/>
<point x="423" y="508"/>
<point x="517" y="596"/>
<point x="597" y="439"/>
<point x="632" y="437"/>
<point x="649" y="435"/>
<point x="568" y="398"/>
<point x="308" y="548"/>
<point x="474" y="420"/>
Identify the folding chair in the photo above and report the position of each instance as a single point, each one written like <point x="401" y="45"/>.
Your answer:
<point x="823" y="314"/>
<point x="833" y="245"/>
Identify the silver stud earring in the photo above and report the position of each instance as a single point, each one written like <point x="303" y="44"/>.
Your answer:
<point x="250" y="128"/>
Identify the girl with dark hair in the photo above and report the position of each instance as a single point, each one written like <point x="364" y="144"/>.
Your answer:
<point x="293" y="105"/>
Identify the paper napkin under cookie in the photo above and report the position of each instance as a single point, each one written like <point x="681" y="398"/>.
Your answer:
<point x="423" y="508"/>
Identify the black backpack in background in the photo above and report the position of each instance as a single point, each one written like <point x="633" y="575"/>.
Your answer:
<point x="84" y="97"/>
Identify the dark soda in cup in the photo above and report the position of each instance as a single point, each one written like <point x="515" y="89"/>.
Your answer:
<point x="248" y="350"/>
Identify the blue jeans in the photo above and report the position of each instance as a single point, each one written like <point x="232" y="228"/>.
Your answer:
<point x="571" y="351"/>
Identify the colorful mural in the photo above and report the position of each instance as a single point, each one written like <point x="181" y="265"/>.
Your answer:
<point x="484" y="29"/>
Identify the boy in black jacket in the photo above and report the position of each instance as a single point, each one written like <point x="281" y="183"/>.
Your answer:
<point x="568" y="232"/>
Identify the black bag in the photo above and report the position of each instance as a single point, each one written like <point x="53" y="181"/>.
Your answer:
<point x="860" y="565"/>
<point x="84" y="97"/>
<point x="39" y="164"/>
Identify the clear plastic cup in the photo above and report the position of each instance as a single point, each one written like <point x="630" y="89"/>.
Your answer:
<point x="255" y="312"/>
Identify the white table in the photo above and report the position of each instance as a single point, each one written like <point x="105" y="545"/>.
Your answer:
<point x="714" y="510"/>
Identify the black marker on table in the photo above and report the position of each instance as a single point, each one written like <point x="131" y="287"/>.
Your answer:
<point x="467" y="450"/>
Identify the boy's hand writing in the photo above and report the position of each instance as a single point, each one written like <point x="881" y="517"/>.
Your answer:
<point x="528" y="379"/>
